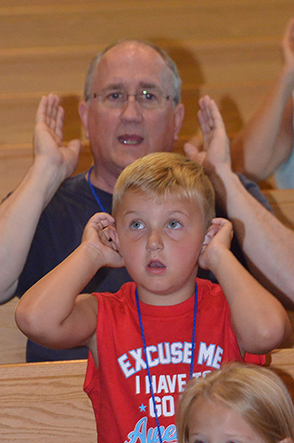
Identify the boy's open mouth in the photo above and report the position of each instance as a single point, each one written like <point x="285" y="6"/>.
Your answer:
<point x="156" y="264"/>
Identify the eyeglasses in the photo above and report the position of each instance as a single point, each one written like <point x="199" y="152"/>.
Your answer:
<point x="154" y="99"/>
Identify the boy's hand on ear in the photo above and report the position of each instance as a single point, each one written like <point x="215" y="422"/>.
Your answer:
<point x="217" y="239"/>
<point x="100" y="234"/>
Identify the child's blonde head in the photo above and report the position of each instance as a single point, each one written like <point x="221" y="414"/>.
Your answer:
<point x="165" y="174"/>
<point x="257" y="394"/>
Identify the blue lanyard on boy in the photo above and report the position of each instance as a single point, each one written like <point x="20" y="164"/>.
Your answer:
<point x="146" y="357"/>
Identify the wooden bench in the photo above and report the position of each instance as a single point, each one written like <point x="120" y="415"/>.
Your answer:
<point x="46" y="402"/>
<point x="282" y="362"/>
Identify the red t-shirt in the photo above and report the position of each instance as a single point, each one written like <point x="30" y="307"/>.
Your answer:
<point x="119" y="389"/>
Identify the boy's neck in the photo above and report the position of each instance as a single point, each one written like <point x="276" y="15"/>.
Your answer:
<point x="171" y="299"/>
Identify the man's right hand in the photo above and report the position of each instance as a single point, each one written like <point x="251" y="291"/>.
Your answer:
<point x="48" y="139"/>
<point x="21" y="211"/>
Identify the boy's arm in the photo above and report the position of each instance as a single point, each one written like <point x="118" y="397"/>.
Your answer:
<point x="52" y="313"/>
<point x="259" y="321"/>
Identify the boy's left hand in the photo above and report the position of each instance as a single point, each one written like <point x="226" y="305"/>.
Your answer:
<point x="217" y="238"/>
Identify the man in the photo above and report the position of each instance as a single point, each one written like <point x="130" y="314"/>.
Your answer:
<point x="265" y="145"/>
<point x="132" y="107"/>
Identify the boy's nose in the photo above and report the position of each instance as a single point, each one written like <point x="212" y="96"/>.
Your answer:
<point x="154" y="241"/>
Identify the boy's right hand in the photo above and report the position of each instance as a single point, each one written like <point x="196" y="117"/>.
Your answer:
<point x="99" y="234"/>
<point x="217" y="239"/>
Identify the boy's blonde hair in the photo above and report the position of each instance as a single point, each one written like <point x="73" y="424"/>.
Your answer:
<point x="254" y="392"/>
<point x="167" y="174"/>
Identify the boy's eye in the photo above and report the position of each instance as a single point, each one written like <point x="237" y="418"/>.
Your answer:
<point x="174" y="224"/>
<point x="137" y="224"/>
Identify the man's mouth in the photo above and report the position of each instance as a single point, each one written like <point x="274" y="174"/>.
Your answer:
<point x="130" y="139"/>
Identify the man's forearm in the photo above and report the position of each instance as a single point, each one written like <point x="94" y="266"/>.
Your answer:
<point x="265" y="140"/>
<point x="258" y="319"/>
<point x="19" y="216"/>
<point x="267" y="244"/>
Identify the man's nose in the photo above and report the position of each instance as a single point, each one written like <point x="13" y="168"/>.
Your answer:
<point x="131" y="109"/>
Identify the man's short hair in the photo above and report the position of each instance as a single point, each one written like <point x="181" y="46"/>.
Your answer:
<point x="88" y="87"/>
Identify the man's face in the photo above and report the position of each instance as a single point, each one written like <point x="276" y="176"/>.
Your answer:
<point x="120" y="135"/>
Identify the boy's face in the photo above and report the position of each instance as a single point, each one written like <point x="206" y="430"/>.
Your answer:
<point x="160" y="240"/>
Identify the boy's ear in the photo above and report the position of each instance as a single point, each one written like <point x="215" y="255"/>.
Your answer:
<point x="113" y="238"/>
<point x="286" y="440"/>
<point x="207" y="238"/>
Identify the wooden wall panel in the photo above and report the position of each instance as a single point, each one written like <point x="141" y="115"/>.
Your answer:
<point x="82" y="23"/>
<point x="227" y="48"/>
<point x="218" y="45"/>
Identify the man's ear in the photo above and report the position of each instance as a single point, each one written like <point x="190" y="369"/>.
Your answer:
<point x="179" y="117"/>
<point x="286" y="440"/>
<point x="84" y="116"/>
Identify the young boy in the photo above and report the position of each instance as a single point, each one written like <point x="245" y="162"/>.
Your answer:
<point x="147" y="340"/>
